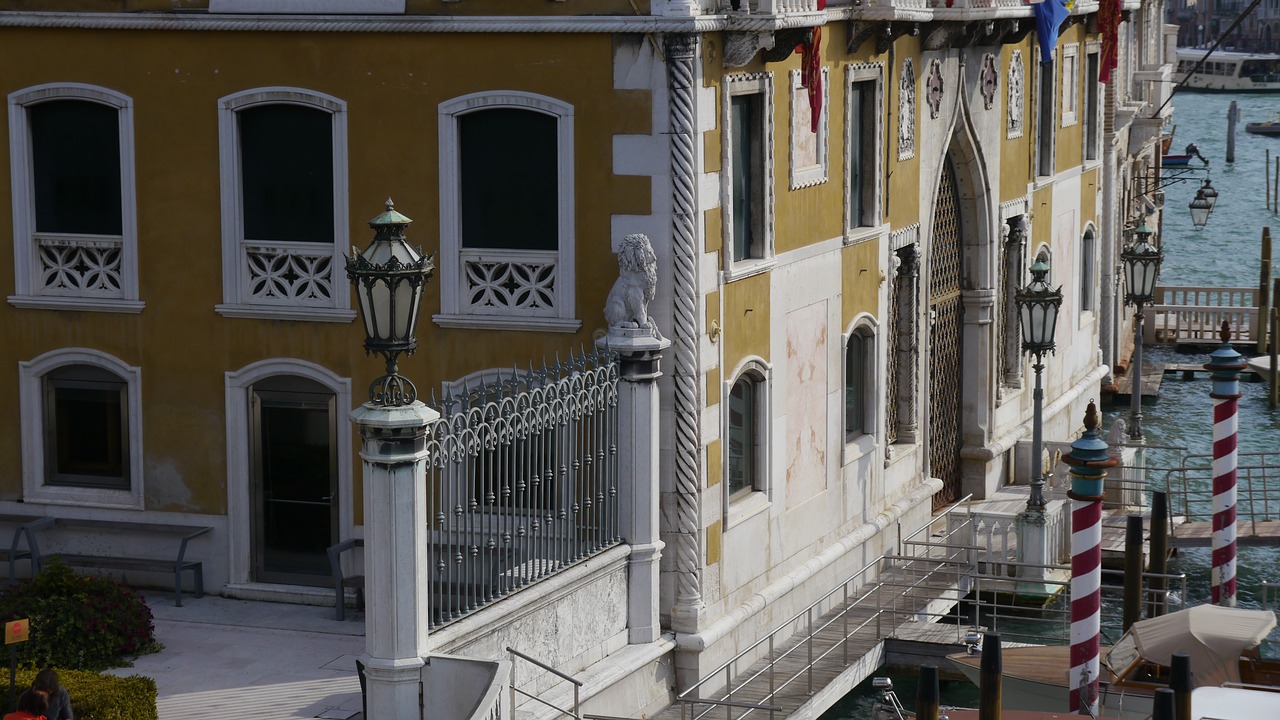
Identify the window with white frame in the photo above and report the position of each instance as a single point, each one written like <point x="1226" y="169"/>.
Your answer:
<point x="1092" y="104"/>
<point x="1070" y="83"/>
<point x="283" y="153"/>
<point x="1045" y="119"/>
<point x="859" y="384"/>
<point x="747" y="173"/>
<point x="507" y="213"/>
<point x="1087" y="274"/>
<point x="808" y="142"/>
<point x="82" y="430"/>
<point x="75" y="229"/>
<point x="862" y="146"/>
<point x="746" y="434"/>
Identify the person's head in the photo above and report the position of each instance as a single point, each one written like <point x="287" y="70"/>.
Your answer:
<point x="33" y="702"/>
<point x="46" y="681"/>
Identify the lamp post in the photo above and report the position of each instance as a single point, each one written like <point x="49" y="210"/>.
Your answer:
<point x="388" y="278"/>
<point x="1200" y="208"/>
<point x="1038" y="315"/>
<point x="1141" y="268"/>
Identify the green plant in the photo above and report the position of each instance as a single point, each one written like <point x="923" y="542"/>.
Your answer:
<point x="104" y="697"/>
<point x="78" y="621"/>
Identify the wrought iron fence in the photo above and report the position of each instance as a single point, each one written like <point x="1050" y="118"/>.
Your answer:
<point x="522" y="479"/>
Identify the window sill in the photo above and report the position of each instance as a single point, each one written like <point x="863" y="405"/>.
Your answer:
<point x="863" y="233"/>
<point x="507" y="322"/>
<point x="747" y="268"/>
<point x="746" y="508"/>
<point x="859" y="448"/>
<point x="50" y="302"/>
<point x="83" y="497"/>
<point x="268" y="312"/>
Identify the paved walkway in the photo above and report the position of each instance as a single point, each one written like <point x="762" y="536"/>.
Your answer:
<point x="233" y="659"/>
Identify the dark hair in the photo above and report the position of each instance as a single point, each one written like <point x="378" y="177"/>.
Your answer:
<point x="33" y="701"/>
<point x="46" y="681"/>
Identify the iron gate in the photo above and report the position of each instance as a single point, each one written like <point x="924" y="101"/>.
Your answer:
<point x="945" y="342"/>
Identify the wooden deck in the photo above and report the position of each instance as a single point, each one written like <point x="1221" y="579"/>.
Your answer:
<point x="1263" y="533"/>
<point x="1152" y="376"/>
<point x="844" y="652"/>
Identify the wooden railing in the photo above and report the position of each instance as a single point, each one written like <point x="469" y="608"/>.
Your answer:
<point x="1195" y="314"/>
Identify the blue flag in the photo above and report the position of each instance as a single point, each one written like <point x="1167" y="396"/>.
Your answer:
<point x="1049" y="17"/>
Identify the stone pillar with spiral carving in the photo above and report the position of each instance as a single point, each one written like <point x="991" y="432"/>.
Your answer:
<point x="681" y="52"/>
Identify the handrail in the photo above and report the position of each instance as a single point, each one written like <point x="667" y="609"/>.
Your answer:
<point x="867" y="589"/>
<point x="576" y="713"/>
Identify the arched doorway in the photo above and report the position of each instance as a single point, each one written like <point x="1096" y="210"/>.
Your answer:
<point x="946" y="340"/>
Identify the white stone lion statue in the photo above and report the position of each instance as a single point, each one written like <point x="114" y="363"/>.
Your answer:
<point x="627" y="306"/>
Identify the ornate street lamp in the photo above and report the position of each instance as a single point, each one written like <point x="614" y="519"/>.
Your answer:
<point x="388" y="277"/>
<point x="1038" y="306"/>
<point x="1210" y="193"/>
<point x="1141" y="268"/>
<point x="1200" y="208"/>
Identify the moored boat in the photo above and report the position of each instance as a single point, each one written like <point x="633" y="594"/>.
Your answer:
<point x="1227" y="71"/>
<point x="1269" y="127"/>
<point x="1222" y="643"/>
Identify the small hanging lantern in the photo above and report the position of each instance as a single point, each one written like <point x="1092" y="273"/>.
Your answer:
<point x="1210" y="193"/>
<point x="1200" y="208"/>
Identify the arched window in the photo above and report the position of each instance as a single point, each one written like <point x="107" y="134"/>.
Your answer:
<point x="744" y="436"/>
<point x="74" y="221"/>
<point x="507" y="212"/>
<point x="859" y="416"/>
<point x="1088" y="274"/>
<point x="283" y="155"/>
<point x="81" y="412"/>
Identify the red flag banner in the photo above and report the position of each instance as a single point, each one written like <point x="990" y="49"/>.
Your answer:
<point x="811" y="76"/>
<point x="1109" y="23"/>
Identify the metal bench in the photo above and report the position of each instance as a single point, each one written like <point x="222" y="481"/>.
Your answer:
<point x="15" y="552"/>
<point x="342" y="582"/>
<point x="118" y="562"/>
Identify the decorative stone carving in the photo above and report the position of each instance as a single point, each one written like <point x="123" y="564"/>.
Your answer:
<point x="627" y="306"/>
<point x="1017" y="78"/>
<point x="907" y="111"/>
<point x="933" y="95"/>
<point x="79" y="267"/>
<point x="741" y="47"/>
<point x="989" y="79"/>
<point x="786" y="41"/>
<point x="860" y="31"/>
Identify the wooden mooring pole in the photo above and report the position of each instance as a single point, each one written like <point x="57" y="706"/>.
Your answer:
<point x="1264" y="291"/>
<point x="927" y="694"/>
<point x="1180" y="684"/>
<point x="990" y="676"/>
<point x="1158" y="564"/>
<point x="1273" y="395"/>
<point x="1266" y="172"/>
<point x="1233" y="114"/>
<point x="1132" y="571"/>
<point x="1275" y="188"/>
<point x="1162" y="705"/>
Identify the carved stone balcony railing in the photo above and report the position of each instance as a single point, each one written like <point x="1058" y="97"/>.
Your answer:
<point x="79" y="265"/>
<point x="509" y="282"/>
<point x="284" y="273"/>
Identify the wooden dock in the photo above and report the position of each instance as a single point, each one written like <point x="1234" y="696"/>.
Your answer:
<point x="1152" y="376"/>
<point x="1255" y="533"/>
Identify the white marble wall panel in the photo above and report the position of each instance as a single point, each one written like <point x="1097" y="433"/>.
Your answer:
<point x="805" y="378"/>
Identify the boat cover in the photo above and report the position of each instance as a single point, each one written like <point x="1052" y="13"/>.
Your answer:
<point x="1214" y="637"/>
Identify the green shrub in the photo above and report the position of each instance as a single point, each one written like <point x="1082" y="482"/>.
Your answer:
<point x="78" y="621"/>
<point x="104" y="697"/>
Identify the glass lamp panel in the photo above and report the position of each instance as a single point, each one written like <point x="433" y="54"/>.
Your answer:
<point x="366" y="308"/>
<point x="1050" y="323"/>
<point x="380" y="309"/>
<point x="405" y="300"/>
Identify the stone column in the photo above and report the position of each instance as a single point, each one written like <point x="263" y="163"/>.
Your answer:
<point x="682" y="53"/>
<point x="396" y="555"/>
<point x="639" y="353"/>
<point x="907" y="344"/>
<point x="1014" y="251"/>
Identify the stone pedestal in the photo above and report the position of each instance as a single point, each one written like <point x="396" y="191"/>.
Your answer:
<point x="396" y="555"/>
<point x="639" y="353"/>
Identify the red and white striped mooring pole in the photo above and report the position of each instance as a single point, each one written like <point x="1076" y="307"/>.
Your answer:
<point x="1226" y="365"/>
<point x="1089" y="461"/>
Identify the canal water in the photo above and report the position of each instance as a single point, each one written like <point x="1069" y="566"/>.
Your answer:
<point x="1224" y="253"/>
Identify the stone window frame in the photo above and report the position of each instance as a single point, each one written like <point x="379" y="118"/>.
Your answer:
<point x="817" y="174"/>
<point x="236" y="301"/>
<point x="22" y="177"/>
<point x="736" y="510"/>
<point x="1045" y="148"/>
<point x="451" y="261"/>
<point x="761" y="84"/>
<point x="1087" y="272"/>
<point x="1092" y="121"/>
<point x="1070" y="86"/>
<point x="854" y="230"/>
<point x="33" y="414"/>
<point x="866" y="327"/>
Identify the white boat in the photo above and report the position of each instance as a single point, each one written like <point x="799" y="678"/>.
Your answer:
<point x="1228" y="71"/>
<point x="1222" y="643"/>
<point x="1236" y="701"/>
